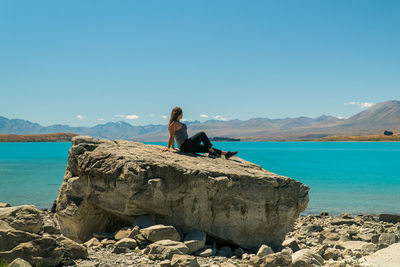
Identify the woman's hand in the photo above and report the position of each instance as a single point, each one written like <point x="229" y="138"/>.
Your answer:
<point x="165" y="149"/>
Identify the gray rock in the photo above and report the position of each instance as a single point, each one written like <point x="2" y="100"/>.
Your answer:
<point x="165" y="263"/>
<point x="207" y="252"/>
<point x="92" y="242"/>
<point x="25" y="218"/>
<point x="10" y="238"/>
<point x="387" y="239"/>
<point x="292" y="244"/>
<point x="339" y="221"/>
<point x="264" y="250"/>
<point x="165" y="249"/>
<point x="391" y="218"/>
<point x="122" y="233"/>
<point x="126" y="243"/>
<point x="315" y="228"/>
<point x="368" y="249"/>
<point x="72" y="249"/>
<point x="306" y="257"/>
<point x="195" y="241"/>
<point x="44" y="250"/>
<point x="18" y="262"/>
<point x="160" y="232"/>
<point x="283" y="258"/>
<point x="331" y="253"/>
<point x="107" y="180"/>
<point x="184" y="261"/>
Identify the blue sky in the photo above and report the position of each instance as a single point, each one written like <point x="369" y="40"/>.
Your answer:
<point x="77" y="62"/>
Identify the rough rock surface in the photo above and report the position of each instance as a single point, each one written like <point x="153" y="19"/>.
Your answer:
<point x="109" y="183"/>
<point x="23" y="235"/>
<point x="387" y="257"/>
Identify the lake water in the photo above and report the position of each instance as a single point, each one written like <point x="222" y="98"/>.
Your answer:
<point x="355" y="177"/>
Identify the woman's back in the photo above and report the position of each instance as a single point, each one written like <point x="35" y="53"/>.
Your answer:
<point x="181" y="134"/>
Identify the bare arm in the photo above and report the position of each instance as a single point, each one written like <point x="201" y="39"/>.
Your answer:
<point x="171" y="140"/>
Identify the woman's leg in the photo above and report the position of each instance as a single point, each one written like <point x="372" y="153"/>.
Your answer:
<point x="193" y="144"/>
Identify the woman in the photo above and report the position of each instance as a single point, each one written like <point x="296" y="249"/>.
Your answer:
<point x="193" y="144"/>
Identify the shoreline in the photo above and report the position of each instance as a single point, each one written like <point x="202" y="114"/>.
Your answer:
<point x="322" y="240"/>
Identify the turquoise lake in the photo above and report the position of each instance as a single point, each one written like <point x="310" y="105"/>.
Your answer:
<point x="354" y="177"/>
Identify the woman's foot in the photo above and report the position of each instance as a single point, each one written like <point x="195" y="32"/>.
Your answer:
<point x="214" y="153"/>
<point x="230" y="154"/>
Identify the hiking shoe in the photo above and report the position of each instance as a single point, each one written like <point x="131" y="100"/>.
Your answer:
<point x="214" y="154"/>
<point x="230" y="154"/>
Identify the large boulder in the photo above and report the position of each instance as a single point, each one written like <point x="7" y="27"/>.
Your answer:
<point x="107" y="184"/>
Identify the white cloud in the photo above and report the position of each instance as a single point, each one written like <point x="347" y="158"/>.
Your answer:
<point x="204" y="116"/>
<point x="219" y="117"/>
<point x="80" y="117"/>
<point x="366" y="105"/>
<point x="360" y="104"/>
<point x="101" y="119"/>
<point x="164" y="117"/>
<point x="152" y="115"/>
<point x="128" y="117"/>
<point x="131" y="117"/>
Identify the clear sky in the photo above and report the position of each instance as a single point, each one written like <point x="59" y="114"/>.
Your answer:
<point x="89" y="62"/>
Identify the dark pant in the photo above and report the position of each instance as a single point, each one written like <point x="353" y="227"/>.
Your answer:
<point x="193" y="144"/>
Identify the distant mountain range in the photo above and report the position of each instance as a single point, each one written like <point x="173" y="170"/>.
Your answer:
<point x="374" y="120"/>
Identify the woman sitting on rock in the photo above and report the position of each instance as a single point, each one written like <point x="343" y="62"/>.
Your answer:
<point x="193" y="144"/>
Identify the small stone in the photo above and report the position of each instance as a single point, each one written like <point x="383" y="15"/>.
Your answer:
<point x="135" y="231"/>
<point x="184" y="261"/>
<point x="292" y="244"/>
<point x="346" y="216"/>
<point x="331" y="253"/>
<point x="207" y="252"/>
<point x="160" y="232"/>
<point x="264" y="250"/>
<point x="18" y="262"/>
<point x="165" y="263"/>
<point x="165" y="249"/>
<point x="126" y="243"/>
<point x="387" y="239"/>
<point x="315" y="228"/>
<point x="391" y="218"/>
<point x="92" y="242"/>
<point x="339" y="221"/>
<point x="106" y="242"/>
<point x="368" y="249"/>
<point x="124" y="232"/>
<point x="306" y="257"/>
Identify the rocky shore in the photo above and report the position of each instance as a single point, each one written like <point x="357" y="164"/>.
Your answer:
<point x="33" y="235"/>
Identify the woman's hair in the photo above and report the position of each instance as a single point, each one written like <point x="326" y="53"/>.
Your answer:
<point x="176" y="111"/>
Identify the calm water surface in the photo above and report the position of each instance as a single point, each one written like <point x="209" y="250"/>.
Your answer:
<point x="355" y="177"/>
